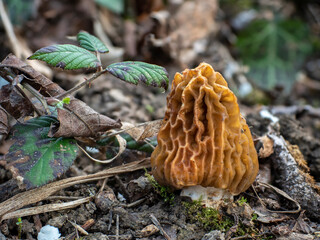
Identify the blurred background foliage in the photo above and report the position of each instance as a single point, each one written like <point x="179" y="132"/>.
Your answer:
<point x="274" y="50"/>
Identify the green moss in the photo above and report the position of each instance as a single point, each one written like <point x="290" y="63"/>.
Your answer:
<point x="242" y="201"/>
<point x="165" y="192"/>
<point x="210" y="219"/>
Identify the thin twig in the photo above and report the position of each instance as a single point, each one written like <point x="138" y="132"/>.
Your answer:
<point x="77" y="87"/>
<point x="44" y="208"/>
<point x="134" y="203"/>
<point x="79" y="228"/>
<point x="158" y="225"/>
<point x="88" y="224"/>
<point x="62" y="198"/>
<point x="110" y="219"/>
<point x="117" y="227"/>
<point x="103" y="185"/>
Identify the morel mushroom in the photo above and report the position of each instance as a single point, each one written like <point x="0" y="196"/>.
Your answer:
<point x="204" y="140"/>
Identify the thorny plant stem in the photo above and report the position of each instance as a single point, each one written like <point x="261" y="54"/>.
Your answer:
<point x="77" y="87"/>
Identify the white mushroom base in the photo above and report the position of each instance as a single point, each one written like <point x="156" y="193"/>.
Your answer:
<point x="210" y="196"/>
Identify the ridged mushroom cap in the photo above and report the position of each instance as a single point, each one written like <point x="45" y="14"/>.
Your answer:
<point x="204" y="140"/>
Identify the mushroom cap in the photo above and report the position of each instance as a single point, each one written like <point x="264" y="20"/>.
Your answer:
<point x="204" y="140"/>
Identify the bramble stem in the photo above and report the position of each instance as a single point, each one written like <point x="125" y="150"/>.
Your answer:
<point x="77" y="87"/>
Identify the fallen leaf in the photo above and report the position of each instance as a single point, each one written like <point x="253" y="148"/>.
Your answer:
<point x="142" y="131"/>
<point x="14" y="103"/>
<point x="77" y="119"/>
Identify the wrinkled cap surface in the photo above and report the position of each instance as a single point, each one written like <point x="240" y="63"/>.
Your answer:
<point x="204" y="140"/>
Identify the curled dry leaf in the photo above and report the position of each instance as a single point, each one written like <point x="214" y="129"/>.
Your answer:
<point x="77" y="119"/>
<point x="267" y="148"/>
<point x="14" y="102"/>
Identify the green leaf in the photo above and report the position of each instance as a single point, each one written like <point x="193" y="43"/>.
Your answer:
<point x="66" y="56"/>
<point x="135" y="72"/>
<point x="274" y="50"/>
<point x="36" y="157"/>
<point x="66" y="100"/>
<point x="91" y="43"/>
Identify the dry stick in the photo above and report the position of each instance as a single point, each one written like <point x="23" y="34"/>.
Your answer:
<point x="79" y="228"/>
<point x="110" y="220"/>
<point x="130" y="205"/>
<point x="77" y="87"/>
<point x="88" y="224"/>
<point x="158" y="225"/>
<point x="103" y="185"/>
<point x="44" y="208"/>
<point x="9" y="30"/>
<point x="62" y="198"/>
<point x="35" y="195"/>
<point x="117" y="227"/>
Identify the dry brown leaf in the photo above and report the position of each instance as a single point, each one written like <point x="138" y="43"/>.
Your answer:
<point x="267" y="148"/>
<point x="14" y="103"/>
<point x="77" y="119"/>
<point x="142" y="131"/>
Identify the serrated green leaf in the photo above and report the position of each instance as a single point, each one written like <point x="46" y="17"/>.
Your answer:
<point x="66" y="56"/>
<point x="274" y="51"/>
<point x="91" y="43"/>
<point x="135" y="72"/>
<point x="36" y="157"/>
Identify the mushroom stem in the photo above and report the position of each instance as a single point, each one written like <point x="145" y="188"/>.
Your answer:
<point x="210" y="196"/>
